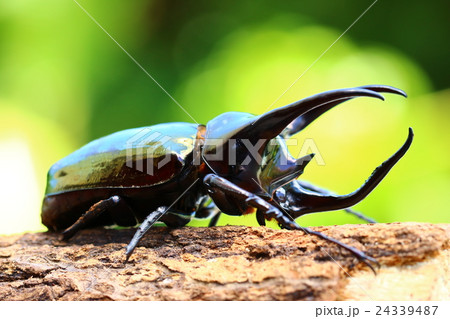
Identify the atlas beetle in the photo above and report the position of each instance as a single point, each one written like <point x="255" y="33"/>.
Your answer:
<point x="100" y="184"/>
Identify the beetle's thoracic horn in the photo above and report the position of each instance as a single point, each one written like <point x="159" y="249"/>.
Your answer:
<point x="303" y="202"/>
<point x="307" y="118"/>
<point x="291" y="173"/>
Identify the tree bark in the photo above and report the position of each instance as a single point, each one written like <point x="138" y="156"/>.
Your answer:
<point x="229" y="263"/>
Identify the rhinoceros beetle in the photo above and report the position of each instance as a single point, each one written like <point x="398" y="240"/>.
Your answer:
<point x="172" y="173"/>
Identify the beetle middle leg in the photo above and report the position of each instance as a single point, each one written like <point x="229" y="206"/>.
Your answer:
<point x="176" y="218"/>
<point x="208" y="210"/>
<point x="225" y="193"/>
<point x="149" y="221"/>
<point x="215" y="218"/>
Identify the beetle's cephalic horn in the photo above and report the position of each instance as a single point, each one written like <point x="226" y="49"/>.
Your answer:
<point x="272" y="123"/>
<point x="307" y="118"/>
<point x="269" y="125"/>
<point x="304" y="202"/>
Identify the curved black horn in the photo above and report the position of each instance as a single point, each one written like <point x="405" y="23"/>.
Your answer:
<point x="272" y="123"/>
<point x="307" y="118"/>
<point x="304" y="202"/>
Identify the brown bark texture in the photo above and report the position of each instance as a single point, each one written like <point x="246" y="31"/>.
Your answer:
<point x="229" y="263"/>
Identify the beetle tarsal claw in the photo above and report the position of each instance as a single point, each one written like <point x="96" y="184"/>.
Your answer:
<point x="370" y="262"/>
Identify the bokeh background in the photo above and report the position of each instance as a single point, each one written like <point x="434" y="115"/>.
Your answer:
<point x="64" y="82"/>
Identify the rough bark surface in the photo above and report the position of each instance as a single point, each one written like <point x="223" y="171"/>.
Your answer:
<point x="229" y="263"/>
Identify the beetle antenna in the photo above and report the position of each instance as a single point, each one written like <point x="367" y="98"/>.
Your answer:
<point x="207" y="164"/>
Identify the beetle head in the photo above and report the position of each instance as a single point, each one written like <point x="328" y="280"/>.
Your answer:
<point x="257" y="164"/>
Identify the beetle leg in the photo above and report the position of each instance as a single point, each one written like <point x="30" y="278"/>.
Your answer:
<point x="224" y="192"/>
<point x="323" y="191"/>
<point x="208" y="210"/>
<point x="230" y="191"/>
<point x="356" y="252"/>
<point x="175" y="219"/>
<point x="213" y="221"/>
<point x="260" y="218"/>
<point x="149" y="221"/>
<point x="95" y="211"/>
<point x="214" y="213"/>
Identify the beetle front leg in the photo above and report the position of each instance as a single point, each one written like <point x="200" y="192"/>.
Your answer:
<point x="287" y="222"/>
<point x="234" y="200"/>
<point x="223" y="191"/>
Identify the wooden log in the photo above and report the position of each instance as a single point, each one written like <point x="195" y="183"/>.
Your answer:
<point x="229" y="263"/>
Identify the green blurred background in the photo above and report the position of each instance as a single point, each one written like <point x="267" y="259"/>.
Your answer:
<point x="64" y="82"/>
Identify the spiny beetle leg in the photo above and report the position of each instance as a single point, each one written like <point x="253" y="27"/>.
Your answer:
<point x="323" y="191"/>
<point x="213" y="221"/>
<point x="208" y="211"/>
<point x="94" y="212"/>
<point x="260" y="218"/>
<point x="228" y="190"/>
<point x="358" y="254"/>
<point x="360" y="216"/>
<point x="288" y="223"/>
<point x="271" y="212"/>
<point x="149" y="221"/>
